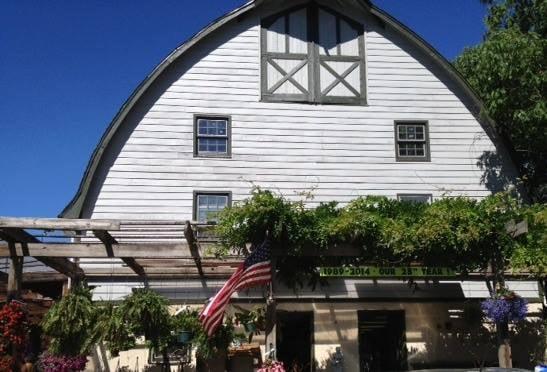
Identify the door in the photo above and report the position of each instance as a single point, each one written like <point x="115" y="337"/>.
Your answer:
<point x="382" y="344"/>
<point x="295" y="340"/>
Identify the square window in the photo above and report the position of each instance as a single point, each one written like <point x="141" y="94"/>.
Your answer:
<point x="207" y="205"/>
<point x="415" y="198"/>
<point x="412" y="142"/>
<point x="212" y="137"/>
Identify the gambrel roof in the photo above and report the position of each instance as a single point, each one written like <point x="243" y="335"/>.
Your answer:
<point x="76" y="206"/>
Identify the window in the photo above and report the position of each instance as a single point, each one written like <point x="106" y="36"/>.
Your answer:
<point x="212" y="136"/>
<point x="415" y="198"/>
<point x="207" y="205"/>
<point x="411" y="141"/>
<point x="313" y="54"/>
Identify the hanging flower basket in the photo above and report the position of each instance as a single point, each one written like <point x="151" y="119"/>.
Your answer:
<point x="508" y="307"/>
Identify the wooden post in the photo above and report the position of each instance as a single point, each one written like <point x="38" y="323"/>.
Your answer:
<point x="15" y="278"/>
<point x="271" y="326"/>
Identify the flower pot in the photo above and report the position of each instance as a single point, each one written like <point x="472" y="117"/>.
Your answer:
<point x="184" y="337"/>
<point x="249" y="327"/>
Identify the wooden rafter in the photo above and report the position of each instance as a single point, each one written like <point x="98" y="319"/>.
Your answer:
<point x="108" y="240"/>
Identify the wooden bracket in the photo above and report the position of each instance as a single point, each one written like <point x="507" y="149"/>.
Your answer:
<point x="190" y="236"/>
<point x="108" y="240"/>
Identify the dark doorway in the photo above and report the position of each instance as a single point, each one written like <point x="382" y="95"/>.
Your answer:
<point x="382" y="344"/>
<point x="295" y="340"/>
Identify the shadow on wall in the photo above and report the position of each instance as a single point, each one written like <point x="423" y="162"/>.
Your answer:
<point x="498" y="174"/>
<point x="479" y="346"/>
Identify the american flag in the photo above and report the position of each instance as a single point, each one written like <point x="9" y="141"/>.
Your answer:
<point x="254" y="271"/>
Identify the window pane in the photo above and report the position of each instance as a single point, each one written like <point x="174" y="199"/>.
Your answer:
<point x="209" y="205"/>
<point x="214" y="145"/>
<point x="402" y="132"/>
<point x="420" y="132"/>
<point x="212" y="127"/>
<point x="411" y="149"/>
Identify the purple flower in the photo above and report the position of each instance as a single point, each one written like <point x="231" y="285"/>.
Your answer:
<point x="52" y="363"/>
<point x="502" y="310"/>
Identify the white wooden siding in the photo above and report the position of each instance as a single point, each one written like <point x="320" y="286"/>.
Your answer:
<point x="341" y="152"/>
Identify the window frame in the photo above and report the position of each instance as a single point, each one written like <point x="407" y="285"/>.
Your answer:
<point x="313" y="56"/>
<point x="428" y="196"/>
<point x="198" y="193"/>
<point x="197" y="136"/>
<point x="427" y="148"/>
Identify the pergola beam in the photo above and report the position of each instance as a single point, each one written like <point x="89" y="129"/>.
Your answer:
<point x="97" y="250"/>
<point x="58" y="224"/>
<point x="18" y="240"/>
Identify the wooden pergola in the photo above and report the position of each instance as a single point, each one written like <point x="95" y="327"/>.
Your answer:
<point x="145" y="249"/>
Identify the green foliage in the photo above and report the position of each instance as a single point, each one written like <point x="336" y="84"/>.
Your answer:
<point x="145" y="313"/>
<point x="524" y="15"/>
<point x="461" y="233"/>
<point x="531" y="250"/>
<point x="256" y="316"/>
<point x="208" y="347"/>
<point x="112" y="329"/>
<point x="69" y="323"/>
<point x="187" y="320"/>
<point x="508" y="72"/>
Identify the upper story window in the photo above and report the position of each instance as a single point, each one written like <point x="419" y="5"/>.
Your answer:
<point x="313" y="54"/>
<point x="415" y="198"/>
<point x="212" y="136"/>
<point x="207" y="205"/>
<point x="411" y="141"/>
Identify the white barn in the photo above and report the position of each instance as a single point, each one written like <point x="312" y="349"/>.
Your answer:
<point x="334" y="96"/>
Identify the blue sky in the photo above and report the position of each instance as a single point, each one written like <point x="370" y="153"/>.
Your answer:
<point x="67" y="66"/>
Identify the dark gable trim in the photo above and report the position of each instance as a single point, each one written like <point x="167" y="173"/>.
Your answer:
<point x="75" y="206"/>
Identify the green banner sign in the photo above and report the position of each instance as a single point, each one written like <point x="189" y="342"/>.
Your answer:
<point x="386" y="272"/>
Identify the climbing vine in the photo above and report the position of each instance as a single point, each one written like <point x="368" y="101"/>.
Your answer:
<point x="458" y="232"/>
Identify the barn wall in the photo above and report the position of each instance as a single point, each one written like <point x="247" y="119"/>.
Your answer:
<point x="340" y="152"/>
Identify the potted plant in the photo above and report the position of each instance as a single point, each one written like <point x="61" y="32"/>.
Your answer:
<point x="186" y="324"/>
<point x="253" y="321"/>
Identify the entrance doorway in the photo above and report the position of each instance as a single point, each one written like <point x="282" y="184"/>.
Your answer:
<point x="382" y="345"/>
<point x="295" y="340"/>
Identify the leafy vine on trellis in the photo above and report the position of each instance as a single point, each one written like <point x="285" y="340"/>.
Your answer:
<point x="458" y="232"/>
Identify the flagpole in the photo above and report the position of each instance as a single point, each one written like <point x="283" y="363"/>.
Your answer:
<point x="271" y="326"/>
